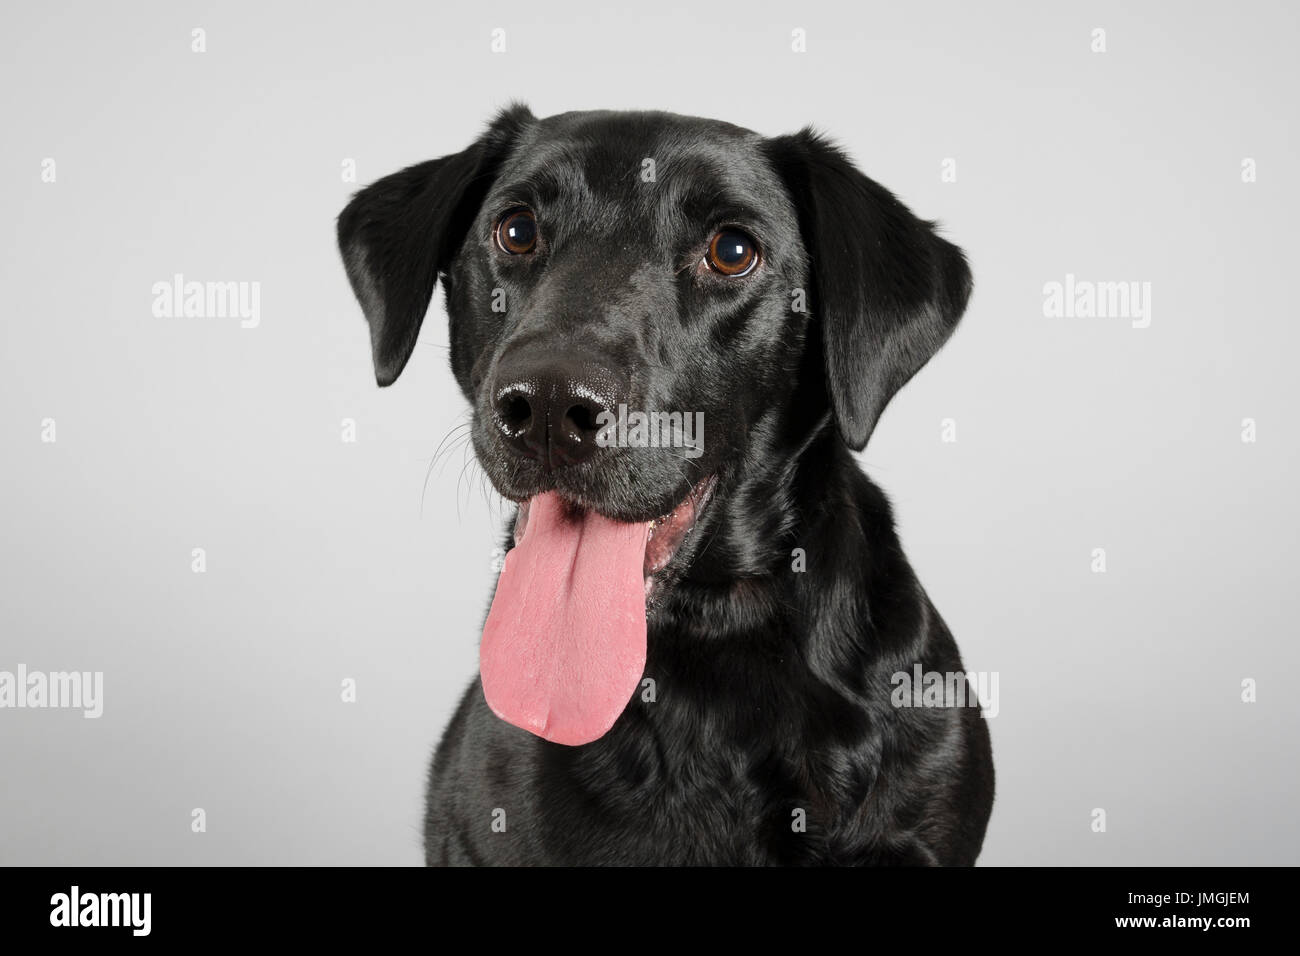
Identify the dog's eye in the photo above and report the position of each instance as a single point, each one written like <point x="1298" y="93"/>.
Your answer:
<point x="517" y="232"/>
<point x="732" y="253"/>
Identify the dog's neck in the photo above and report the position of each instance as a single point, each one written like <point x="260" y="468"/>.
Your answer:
<point x="803" y="522"/>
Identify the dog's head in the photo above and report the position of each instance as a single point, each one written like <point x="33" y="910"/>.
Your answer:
<point x="643" y="307"/>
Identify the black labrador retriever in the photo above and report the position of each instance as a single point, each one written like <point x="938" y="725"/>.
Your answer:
<point x="674" y="333"/>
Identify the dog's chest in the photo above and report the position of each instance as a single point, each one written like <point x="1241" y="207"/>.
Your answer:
<point x="712" y="787"/>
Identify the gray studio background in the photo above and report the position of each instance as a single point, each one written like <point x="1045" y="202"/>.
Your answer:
<point x="329" y="560"/>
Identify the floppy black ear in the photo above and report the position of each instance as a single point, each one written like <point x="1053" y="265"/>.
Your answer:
<point x="399" y="233"/>
<point x="887" y="290"/>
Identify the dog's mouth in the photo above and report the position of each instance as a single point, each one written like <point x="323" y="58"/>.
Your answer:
<point x="564" y="646"/>
<point x="664" y="534"/>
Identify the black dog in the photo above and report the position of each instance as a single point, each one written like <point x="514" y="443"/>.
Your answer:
<point x="701" y="641"/>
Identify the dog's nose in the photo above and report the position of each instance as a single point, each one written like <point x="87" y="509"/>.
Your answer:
<point x="551" y="407"/>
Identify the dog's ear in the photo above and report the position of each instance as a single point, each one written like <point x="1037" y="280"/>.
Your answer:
<point x="887" y="290"/>
<point x="399" y="233"/>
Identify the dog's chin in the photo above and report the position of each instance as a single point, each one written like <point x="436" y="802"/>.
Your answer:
<point x="666" y="535"/>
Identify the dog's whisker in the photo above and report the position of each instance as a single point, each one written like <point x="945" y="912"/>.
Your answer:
<point x="456" y="435"/>
<point x="454" y="438"/>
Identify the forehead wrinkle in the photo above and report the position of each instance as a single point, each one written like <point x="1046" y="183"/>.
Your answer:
<point x="552" y="179"/>
<point x="706" y="188"/>
<point x="584" y="184"/>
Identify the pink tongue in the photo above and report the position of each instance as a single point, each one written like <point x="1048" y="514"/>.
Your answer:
<point x="564" y="645"/>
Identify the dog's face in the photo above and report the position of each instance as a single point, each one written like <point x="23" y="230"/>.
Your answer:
<point x="733" y="290"/>
<point x="656" y="274"/>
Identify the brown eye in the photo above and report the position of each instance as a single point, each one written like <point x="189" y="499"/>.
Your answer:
<point x="732" y="253"/>
<point x="517" y="232"/>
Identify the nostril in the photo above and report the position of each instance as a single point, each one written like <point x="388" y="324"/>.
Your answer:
<point x="515" y="412"/>
<point x="518" y="411"/>
<point x="583" y="417"/>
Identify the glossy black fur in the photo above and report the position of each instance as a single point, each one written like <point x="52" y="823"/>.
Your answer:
<point x="772" y="685"/>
